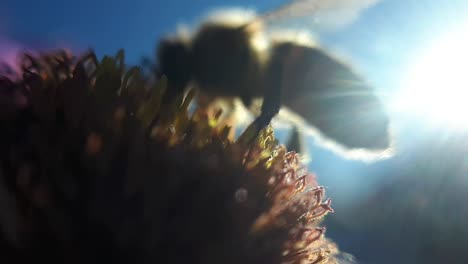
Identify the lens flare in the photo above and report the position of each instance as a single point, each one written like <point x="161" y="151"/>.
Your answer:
<point x="436" y="83"/>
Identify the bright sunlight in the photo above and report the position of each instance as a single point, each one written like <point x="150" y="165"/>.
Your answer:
<point x="436" y="83"/>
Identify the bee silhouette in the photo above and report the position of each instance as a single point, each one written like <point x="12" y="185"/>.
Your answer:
<point x="224" y="59"/>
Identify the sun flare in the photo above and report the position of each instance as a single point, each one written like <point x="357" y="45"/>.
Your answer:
<point x="436" y="83"/>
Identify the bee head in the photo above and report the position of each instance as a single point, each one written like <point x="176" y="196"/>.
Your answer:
<point x="174" y="61"/>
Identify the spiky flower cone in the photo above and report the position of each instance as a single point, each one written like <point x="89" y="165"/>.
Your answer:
<point x="96" y="170"/>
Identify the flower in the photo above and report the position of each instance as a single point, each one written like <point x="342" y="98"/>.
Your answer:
<point x="101" y="170"/>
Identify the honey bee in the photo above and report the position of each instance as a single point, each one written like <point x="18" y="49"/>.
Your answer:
<point x="224" y="59"/>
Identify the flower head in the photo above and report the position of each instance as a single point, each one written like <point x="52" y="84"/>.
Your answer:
<point x="101" y="170"/>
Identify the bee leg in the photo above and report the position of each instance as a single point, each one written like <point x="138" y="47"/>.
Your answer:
<point x="271" y="98"/>
<point x="295" y="140"/>
<point x="297" y="143"/>
<point x="268" y="112"/>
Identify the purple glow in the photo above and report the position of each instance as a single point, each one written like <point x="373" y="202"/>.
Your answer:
<point x="9" y="51"/>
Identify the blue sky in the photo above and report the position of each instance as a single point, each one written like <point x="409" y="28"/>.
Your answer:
<point x="136" y="25"/>
<point x="382" y="38"/>
<point x="104" y="25"/>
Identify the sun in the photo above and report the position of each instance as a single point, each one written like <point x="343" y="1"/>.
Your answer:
<point x="435" y="86"/>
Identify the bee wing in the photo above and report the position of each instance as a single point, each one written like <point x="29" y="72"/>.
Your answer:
<point x="330" y="96"/>
<point x="325" y="14"/>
